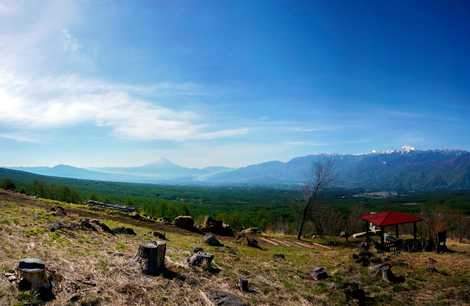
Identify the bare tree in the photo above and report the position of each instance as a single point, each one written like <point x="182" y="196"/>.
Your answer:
<point x="322" y="178"/>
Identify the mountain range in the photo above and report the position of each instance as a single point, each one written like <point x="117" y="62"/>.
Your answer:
<point x="405" y="169"/>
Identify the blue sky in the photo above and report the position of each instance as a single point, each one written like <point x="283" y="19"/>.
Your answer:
<point x="102" y="83"/>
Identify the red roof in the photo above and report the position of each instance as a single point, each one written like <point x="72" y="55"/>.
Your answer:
<point x="389" y="218"/>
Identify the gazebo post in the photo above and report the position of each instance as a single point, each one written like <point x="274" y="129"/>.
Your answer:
<point x="382" y="237"/>
<point x="396" y="231"/>
<point x="367" y="232"/>
<point x="414" y="231"/>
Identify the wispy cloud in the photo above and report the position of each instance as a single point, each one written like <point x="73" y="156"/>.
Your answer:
<point x="42" y="104"/>
<point x="19" y="137"/>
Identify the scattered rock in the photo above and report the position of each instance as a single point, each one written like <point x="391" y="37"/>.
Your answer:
<point x="139" y="217"/>
<point x="201" y="259"/>
<point x="251" y="242"/>
<point x="58" y="211"/>
<point x="56" y="226"/>
<point x="279" y="257"/>
<point x="354" y="292"/>
<point x="251" y="231"/>
<point x="124" y="231"/>
<point x="159" y="235"/>
<point x="196" y="249"/>
<point x="221" y="298"/>
<point x="247" y="237"/>
<point x="319" y="273"/>
<point x="385" y="270"/>
<point x="185" y="222"/>
<point x="164" y="220"/>
<point x="211" y="240"/>
<point x="10" y="276"/>
<point x="102" y="226"/>
<point x="218" y="227"/>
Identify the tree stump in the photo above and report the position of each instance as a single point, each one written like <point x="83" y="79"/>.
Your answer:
<point x="243" y="284"/>
<point x="33" y="276"/>
<point x="152" y="257"/>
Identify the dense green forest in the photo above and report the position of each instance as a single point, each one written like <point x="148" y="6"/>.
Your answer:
<point x="239" y="206"/>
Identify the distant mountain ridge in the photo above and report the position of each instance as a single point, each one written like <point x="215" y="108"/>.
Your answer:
<point x="405" y="169"/>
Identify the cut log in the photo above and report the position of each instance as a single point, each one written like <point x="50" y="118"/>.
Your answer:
<point x="152" y="257"/>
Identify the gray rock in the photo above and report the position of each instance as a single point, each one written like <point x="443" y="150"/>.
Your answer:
<point x="124" y="231"/>
<point x="279" y="257"/>
<point x="225" y="299"/>
<point x="201" y="259"/>
<point x="211" y="240"/>
<point x="319" y="273"/>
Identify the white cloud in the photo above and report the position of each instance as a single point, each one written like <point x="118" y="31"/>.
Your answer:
<point x="18" y="136"/>
<point x="53" y="103"/>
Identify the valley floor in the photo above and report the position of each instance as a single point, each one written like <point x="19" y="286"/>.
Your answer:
<point x="91" y="268"/>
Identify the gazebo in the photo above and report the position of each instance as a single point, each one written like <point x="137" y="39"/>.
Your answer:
<point x="390" y="218"/>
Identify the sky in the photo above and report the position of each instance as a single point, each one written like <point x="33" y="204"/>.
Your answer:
<point x="205" y="83"/>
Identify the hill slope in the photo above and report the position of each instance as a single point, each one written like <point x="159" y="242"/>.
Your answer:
<point x="97" y="268"/>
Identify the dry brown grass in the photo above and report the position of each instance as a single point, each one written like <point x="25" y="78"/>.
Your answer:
<point x="99" y="269"/>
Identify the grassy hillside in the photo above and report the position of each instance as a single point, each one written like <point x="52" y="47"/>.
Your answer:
<point x="93" y="268"/>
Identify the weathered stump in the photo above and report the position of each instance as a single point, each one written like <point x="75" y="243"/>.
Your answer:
<point x="33" y="276"/>
<point x="243" y="284"/>
<point x="152" y="257"/>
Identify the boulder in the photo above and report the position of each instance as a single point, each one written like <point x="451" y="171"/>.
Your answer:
<point x="184" y="222"/>
<point x="211" y="240"/>
<point x="279" y="257"/>
<point x="319" y="273"/>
